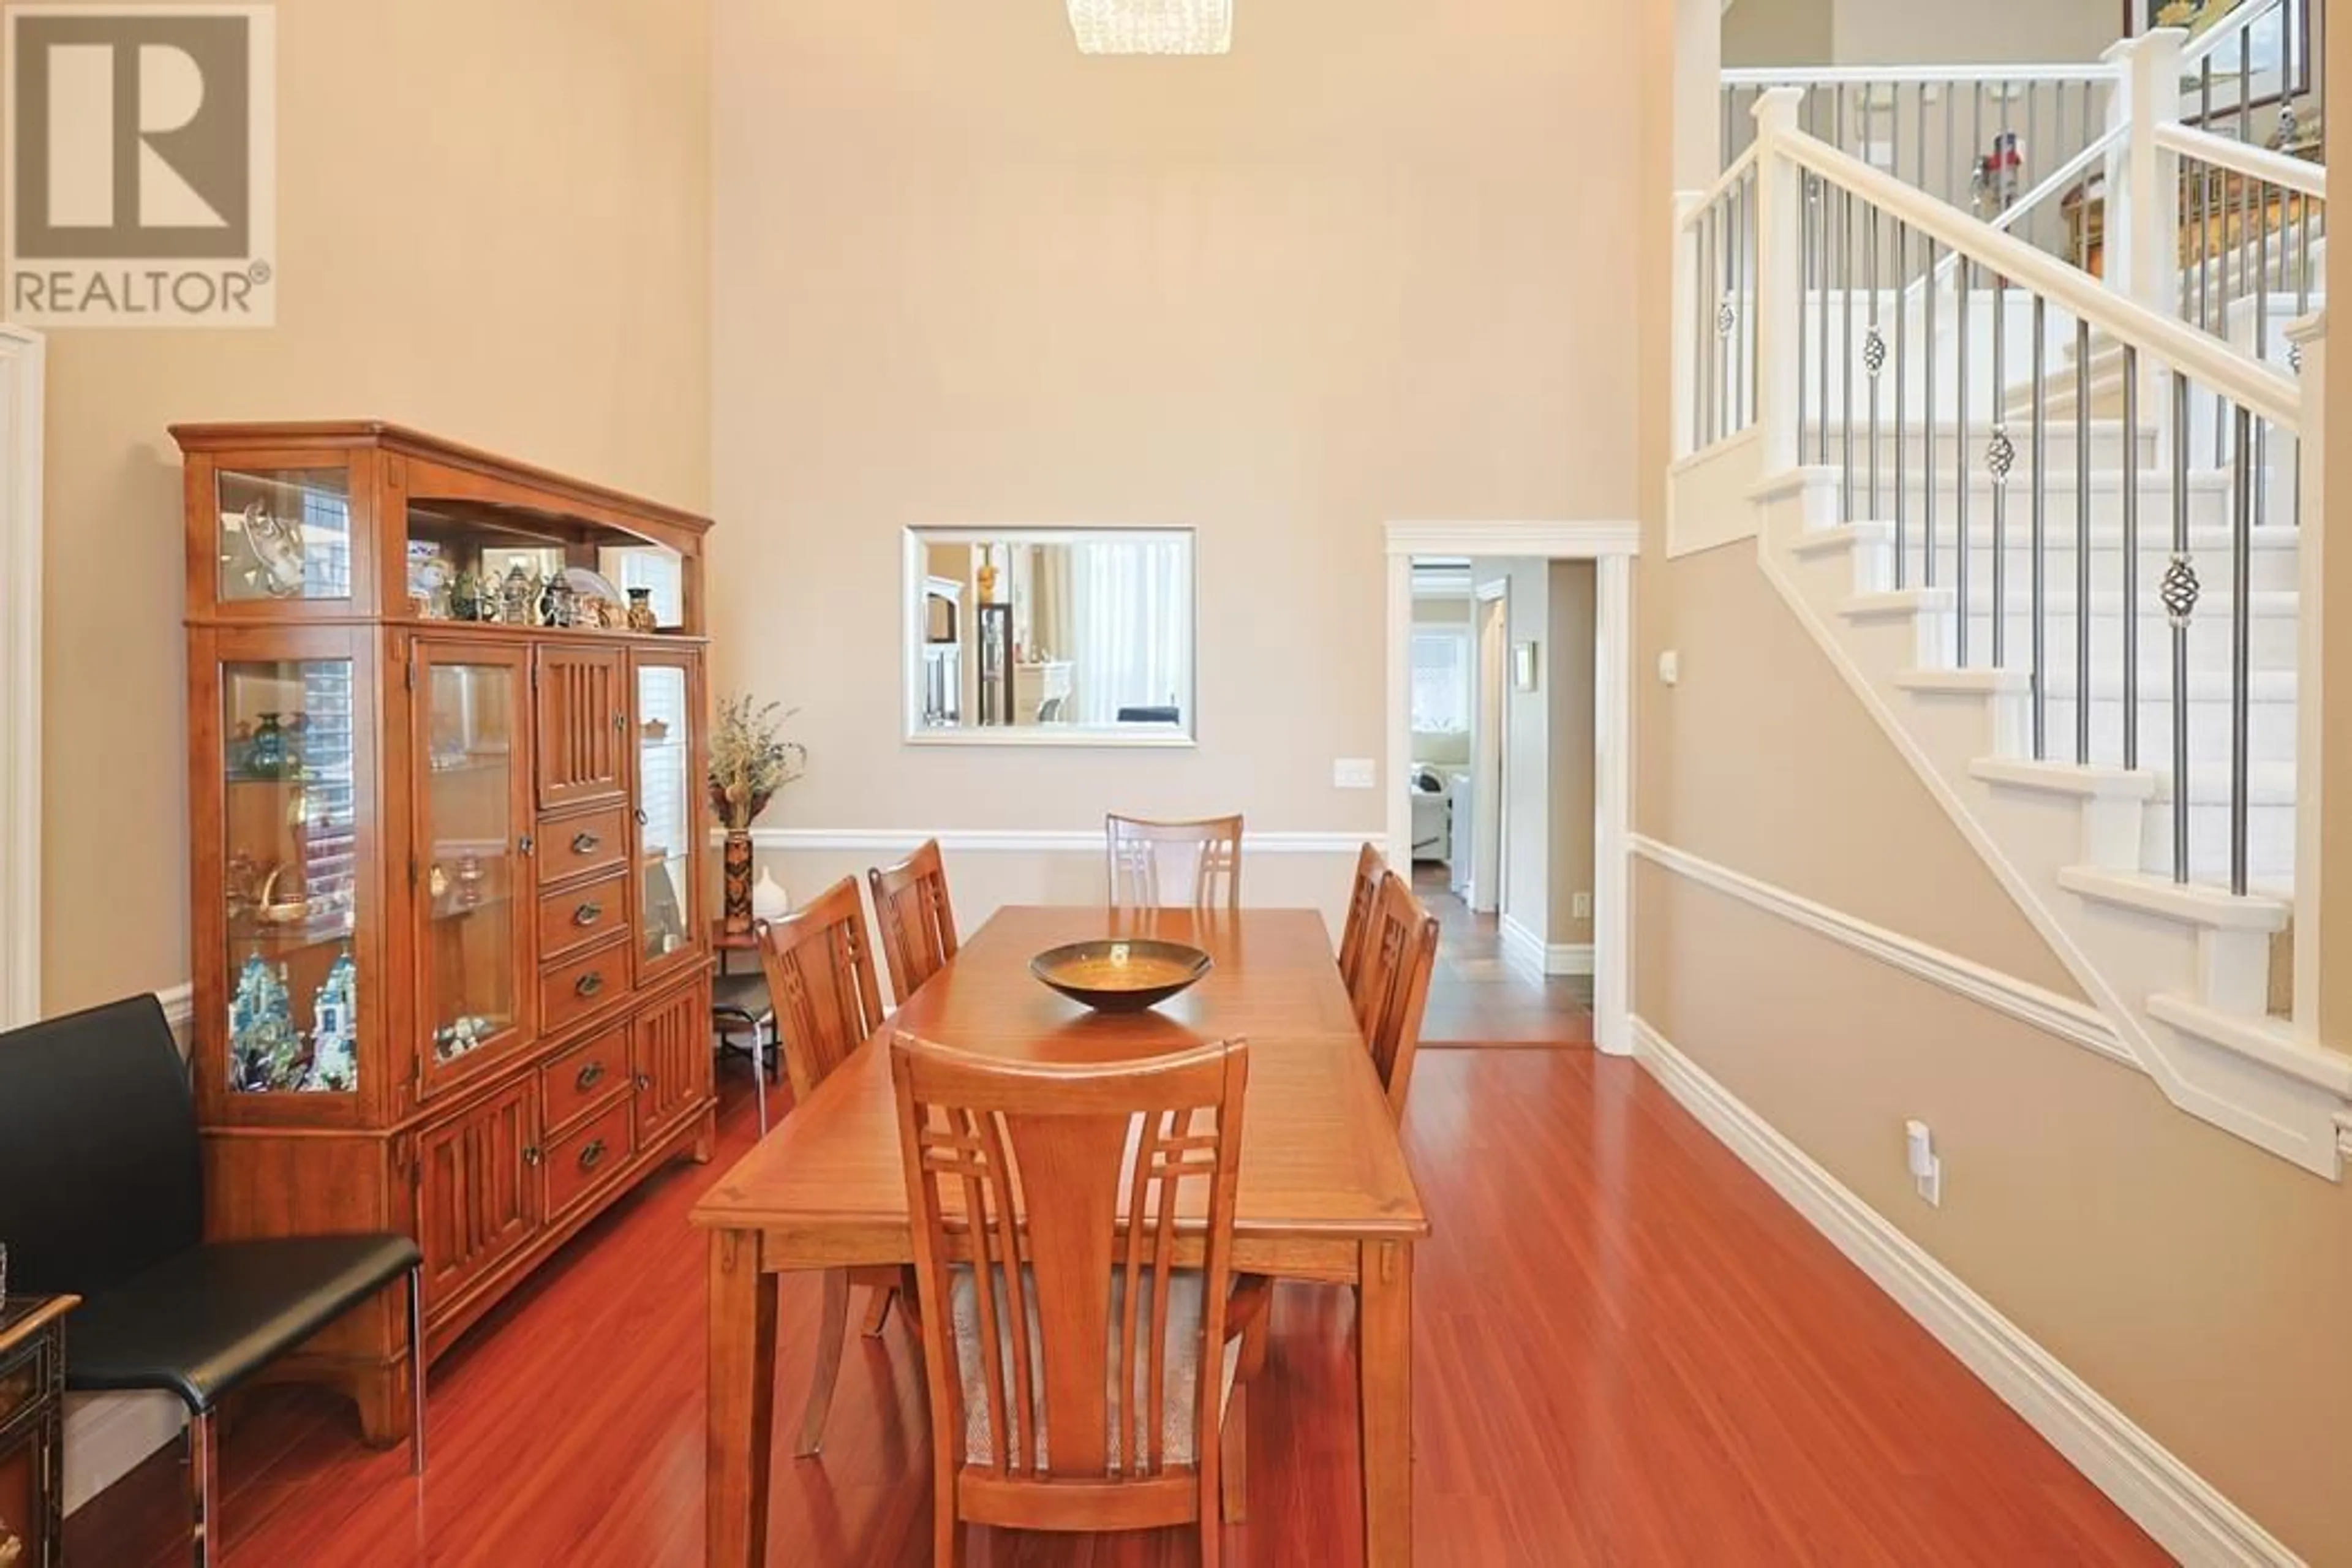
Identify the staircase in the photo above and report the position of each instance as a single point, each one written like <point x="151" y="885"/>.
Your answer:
<point x="2051" y="538"/>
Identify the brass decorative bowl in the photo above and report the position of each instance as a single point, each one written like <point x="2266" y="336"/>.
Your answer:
<point x="1122" y="975"/>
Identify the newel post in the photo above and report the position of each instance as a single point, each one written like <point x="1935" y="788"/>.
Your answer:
<point x="1779" y="282"/>
<point x="2320" y="904"/>
<point x="1690" y="337"/>
<point x="2143" y="229"/>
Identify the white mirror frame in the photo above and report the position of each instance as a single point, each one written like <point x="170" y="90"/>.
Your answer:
<point x="915" y="575"/>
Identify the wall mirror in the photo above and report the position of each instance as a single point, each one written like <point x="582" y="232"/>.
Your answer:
<point x="1050" y="635"/>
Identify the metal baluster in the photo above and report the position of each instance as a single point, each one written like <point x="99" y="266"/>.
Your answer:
<point x="2041" y="546"/>
<point x="1805" y="291"/>
<point x="1698" y="343"/>
<point x="1730" y="101"/>
<point x="2081" y="542"/>
<point x="1873" y="352"/>
<point x="1928" y="331"/>
<point x="1822" y="415"/>
<point x="1902" y="393"/>
<point x="1960" y="356"/>
<point x="2131" y="556"/>
<point x="2261" y="428"/>
<point x="2180" y="602"/>
<point x="1845" y="355"/>
<point x="1951" y="145"/>
<point x="2204" y="240"/>
<point x="2001" y="453"/>
<point x="2032" y="138"/>
<point x="1919" y="155"/>
<point x="1720" y="383"/>
<point x="2242" y="656"/>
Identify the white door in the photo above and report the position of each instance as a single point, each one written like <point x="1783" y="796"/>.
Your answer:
<point x="1489" y="746"/>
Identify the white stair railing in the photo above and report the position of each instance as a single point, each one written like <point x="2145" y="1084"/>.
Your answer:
<point x="1822" y="248"/>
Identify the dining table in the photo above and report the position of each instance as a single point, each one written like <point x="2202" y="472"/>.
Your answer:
<point x="1324" y="1190"/>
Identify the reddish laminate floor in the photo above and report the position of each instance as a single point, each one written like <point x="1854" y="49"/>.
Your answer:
<point x="1627" y="1351"/>
<point x="1477" y="997"/>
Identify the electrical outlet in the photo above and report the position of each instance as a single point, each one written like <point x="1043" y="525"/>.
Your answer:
<point x="1583" y="911"/>
<point x="1926" y="1166"/>
<point x="1353" y="772"/>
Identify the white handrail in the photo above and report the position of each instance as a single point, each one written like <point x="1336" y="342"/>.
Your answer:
<point x="2234" y="25"/>
<point x="1916" y="76"/>
<point x="2300" y="175"/>
<point x="2255" y="387"/>
<point x="1699" y="202"/>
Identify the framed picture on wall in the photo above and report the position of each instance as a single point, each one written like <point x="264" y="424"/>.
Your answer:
<point x="2256" y="61"/>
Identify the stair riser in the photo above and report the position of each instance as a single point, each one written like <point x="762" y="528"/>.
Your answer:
<point x="2210" y="506"/>
<point x="2107" y="445"/>
<point x="2270" y="842"/>
<point x="2274" y="641"/>
<point x="2271" y="727"/>
<point x="2275" y="570"/>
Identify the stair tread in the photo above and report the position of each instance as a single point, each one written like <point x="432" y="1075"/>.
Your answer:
<point x="2191" y="903"/>
<point x="2273" y="1042"/>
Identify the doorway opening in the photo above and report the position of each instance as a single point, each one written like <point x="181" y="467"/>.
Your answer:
<point x="1509" y="648"/>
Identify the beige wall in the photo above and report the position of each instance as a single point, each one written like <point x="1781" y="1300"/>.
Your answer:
<point x="2192" y="1280"/>
<point x="1571" y="670"/>
<point x="1283" y="296"/>
<point x="1908" y="32"/>
<point x="2335" y="807"/>
<point x="492" y="223"/>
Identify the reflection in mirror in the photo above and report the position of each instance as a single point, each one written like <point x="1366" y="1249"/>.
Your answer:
<point x="1043" y="634"/>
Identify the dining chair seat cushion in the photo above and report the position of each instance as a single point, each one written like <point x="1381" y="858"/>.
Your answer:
<point x="741" y="996"/>
<point x="1182" y="1373"/>
<point x="202" y="1322"/>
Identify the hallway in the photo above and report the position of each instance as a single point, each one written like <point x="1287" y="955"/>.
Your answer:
<point x="1477" y="997"/>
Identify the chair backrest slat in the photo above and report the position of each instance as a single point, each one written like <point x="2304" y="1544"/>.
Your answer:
<point x="1390" y="989"/>
<point x="915" y="919"/>
<point x="1080" y="1173"/>
<point x="1364" y="895"/>
<point x="821" y="983"/>
<point x="1189" y="865"/>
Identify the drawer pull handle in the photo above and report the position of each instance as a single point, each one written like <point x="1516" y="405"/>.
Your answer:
<point x="589" y="984"/>
<point x="530" y="1156"/>
<point x="588" y="914"/>
<point x="584" y="843"/>
<point x="592" y="1155"/>
<point x="590" y="1076"/>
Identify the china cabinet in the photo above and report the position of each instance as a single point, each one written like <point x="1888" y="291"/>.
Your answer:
<point x="452" y="970"/>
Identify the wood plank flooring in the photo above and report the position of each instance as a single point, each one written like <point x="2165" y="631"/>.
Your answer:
<point x="1628" y="1351"/>
<point x="1476" y="998"/>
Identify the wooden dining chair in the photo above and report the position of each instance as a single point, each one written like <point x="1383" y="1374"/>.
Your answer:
<point x="1364" y="896"/>
<point x="1079" y="1372"/>
<point x="1191" y="865"/>
<point x="917" y="923"/>
<point x="822" y="989"/>
<point x="1390" y="990"/>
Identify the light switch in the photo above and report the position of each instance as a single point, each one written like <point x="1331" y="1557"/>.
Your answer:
<point x="1670" y="667"/>
<point x="1353" y="772"/>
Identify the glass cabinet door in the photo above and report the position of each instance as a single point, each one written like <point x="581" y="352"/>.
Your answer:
<point x="290" y="864"/>
<point x="667" y="715"/>
<point x="285" y="535"/>
<point x="473" y="785"/>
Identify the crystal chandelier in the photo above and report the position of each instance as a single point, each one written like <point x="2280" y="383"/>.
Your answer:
<point x="1152" y="26"/>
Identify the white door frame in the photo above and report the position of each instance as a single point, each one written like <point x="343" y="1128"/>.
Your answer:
<point x="1489" y="817"/>
<point x="1611" y="547"/>
<point x="21" y="356"/>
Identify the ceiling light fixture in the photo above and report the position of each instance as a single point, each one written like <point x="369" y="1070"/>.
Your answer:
<point x="1152" y="26"/>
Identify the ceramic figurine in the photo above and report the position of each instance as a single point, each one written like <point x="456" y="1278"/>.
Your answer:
<point x="277" y="546"/>
<point x="437" y="881"/>
<point x="334" y="1035"/>
<point x="641" y="611"/>
<point x="265" y="1049"/>
<point x="518" y="597"/>
<point x="469" y="880"/>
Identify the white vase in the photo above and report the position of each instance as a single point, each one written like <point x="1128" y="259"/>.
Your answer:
<point x="768" y="899"/>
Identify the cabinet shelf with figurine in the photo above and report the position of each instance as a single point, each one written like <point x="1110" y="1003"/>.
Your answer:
<point x="446" y="720"/>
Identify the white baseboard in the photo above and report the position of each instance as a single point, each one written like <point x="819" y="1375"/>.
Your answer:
<point x="2179" y="1508"/>
<point x="1531" y="955"/>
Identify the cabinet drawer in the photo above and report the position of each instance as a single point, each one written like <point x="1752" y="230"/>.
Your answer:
<point x="582" y="846"/>
<point x="585" y="1077"/>
<point x="578" y="986"/>
<point x="583" y="1160"/>
<point x="572" y="918"/>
